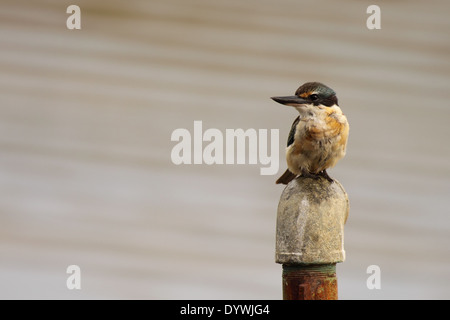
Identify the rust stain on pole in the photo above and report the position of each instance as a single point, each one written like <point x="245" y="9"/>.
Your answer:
<point x="310" y="282"/>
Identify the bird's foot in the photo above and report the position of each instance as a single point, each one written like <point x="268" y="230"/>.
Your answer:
<point x="310" y="175"/>
<point x="316" y="176"/>
<point x="325" y="175"/>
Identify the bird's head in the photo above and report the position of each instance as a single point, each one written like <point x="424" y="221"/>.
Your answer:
<point x="310" y="98"/>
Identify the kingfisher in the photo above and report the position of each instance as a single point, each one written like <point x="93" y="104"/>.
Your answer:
<point x="318" y="136"/>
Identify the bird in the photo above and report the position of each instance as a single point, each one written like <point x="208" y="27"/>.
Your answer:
<point x="318" y="136"/>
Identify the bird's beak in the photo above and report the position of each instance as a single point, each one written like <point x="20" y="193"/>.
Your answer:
<point x="292" y="101"/>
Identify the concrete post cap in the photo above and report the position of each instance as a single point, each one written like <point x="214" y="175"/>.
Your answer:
<point x="310" y="222"/>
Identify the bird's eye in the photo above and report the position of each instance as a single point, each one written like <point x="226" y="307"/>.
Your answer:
<point x="314" y="97"/>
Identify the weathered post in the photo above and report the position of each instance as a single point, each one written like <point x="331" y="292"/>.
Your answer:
<point x="310" y="237"/>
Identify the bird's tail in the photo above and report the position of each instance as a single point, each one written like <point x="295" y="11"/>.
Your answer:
<point x="287" y="177"/>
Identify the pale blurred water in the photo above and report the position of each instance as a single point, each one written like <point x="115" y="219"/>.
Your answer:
<point x="86" y="118"/>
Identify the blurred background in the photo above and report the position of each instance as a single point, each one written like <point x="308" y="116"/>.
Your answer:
<point x="86" y="118"/>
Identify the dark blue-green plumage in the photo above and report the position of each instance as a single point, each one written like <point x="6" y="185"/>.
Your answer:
<point x="292" y="132"/>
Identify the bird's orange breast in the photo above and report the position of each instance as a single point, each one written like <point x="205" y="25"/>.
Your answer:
<point x="319" y="143"/>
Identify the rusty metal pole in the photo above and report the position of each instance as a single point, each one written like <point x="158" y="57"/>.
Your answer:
<point x="310" y="282"/>
<point x="310" y="237"/>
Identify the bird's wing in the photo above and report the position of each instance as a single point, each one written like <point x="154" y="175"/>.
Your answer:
<point x="292" y="132"/>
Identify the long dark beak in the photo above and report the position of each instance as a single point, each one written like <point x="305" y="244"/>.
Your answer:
<point x="290" y="100"/>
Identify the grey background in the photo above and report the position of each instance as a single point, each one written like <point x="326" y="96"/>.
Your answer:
<point x="85" y="124"/>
